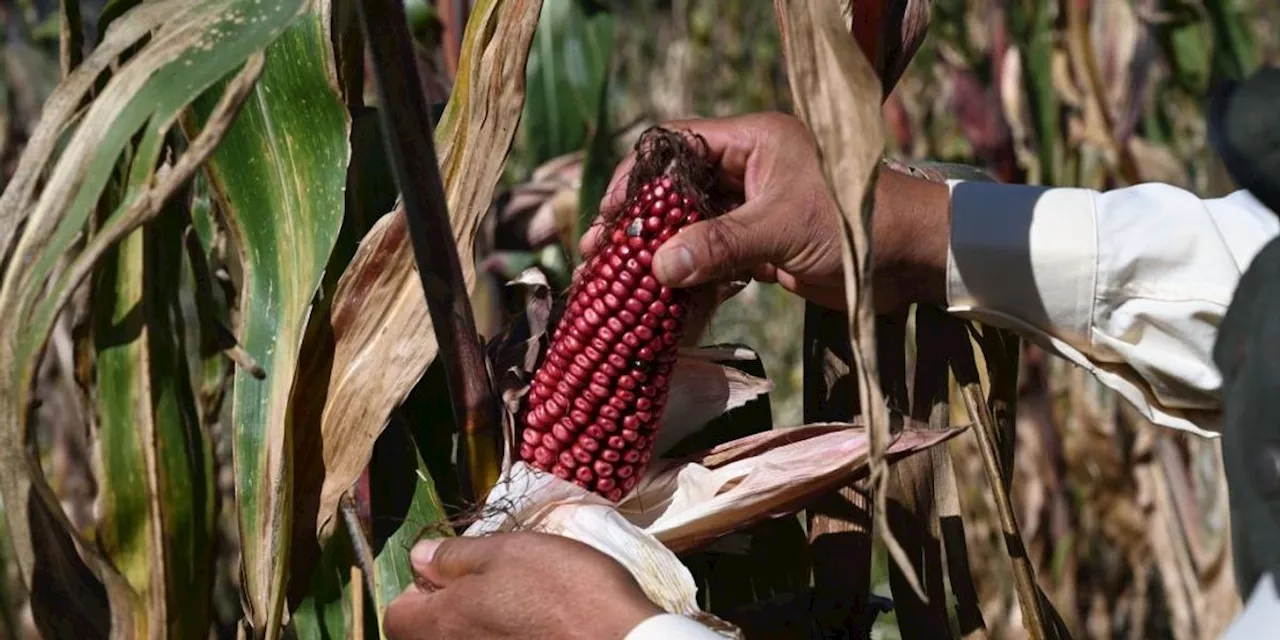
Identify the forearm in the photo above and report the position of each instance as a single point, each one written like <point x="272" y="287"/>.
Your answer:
<point x="910" y="229"/>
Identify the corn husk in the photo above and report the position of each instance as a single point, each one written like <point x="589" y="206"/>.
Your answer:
<point x="680" y="504"/>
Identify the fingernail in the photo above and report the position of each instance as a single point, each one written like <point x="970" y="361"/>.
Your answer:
<point x="422" y="553"/>
<point x="673" y="264"/>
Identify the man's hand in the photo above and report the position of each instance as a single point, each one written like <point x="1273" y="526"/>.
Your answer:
<point x="517" y="585"/>
<point x="788" y="230"/>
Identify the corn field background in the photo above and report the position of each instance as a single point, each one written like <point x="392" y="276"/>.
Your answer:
<point x="1125" y="525"/>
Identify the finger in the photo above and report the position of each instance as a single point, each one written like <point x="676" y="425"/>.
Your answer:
<point x="616" y="193"/>
<point x="441" y="562"/>
<point x="765" y="273"/>
<point x="615" y="196"/>
<point x="730" y="143"/>
<point x="409" y="616"/>
<point x="714" y="249"/>
<point x="591" y="240"/>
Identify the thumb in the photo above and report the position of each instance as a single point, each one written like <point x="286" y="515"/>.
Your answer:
<point x="714" y="249"/>
<point x="441" y="562"/>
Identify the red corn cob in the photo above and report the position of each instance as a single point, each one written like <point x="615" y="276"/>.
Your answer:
<point x="597" y="397"/>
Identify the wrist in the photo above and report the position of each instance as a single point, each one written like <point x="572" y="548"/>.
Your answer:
<point x="911" y="233"/>
<point x="623" y="615"/>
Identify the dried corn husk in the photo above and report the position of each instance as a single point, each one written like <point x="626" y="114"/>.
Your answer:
<point x="681" y="504"/>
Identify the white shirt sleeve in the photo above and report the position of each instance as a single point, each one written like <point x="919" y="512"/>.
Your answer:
<point x="1261" y="615"/>
<point x="1130" y="284"/>
<point x="669" y="626"/>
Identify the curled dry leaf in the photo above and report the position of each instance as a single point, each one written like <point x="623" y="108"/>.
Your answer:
<point x="541" y="210"/>
<point x="836" y="92"/>
<point x="684" y="504"/>
<point x="768" y="474"/>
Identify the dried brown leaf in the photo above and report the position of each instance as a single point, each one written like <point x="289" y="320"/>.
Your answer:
<point x="689" y="502"/>
<point x="541" y="210"/>
<point x="837" y="94"/>
<point x="382" y="338"/>
<point x="788" y="468"/>
<point x="58" y="109"/>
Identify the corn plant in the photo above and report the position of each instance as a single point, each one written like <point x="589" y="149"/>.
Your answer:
<point x="201" y="294"/>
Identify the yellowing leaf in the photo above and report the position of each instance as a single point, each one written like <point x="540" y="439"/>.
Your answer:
<point x="192" y="45"/>
<point x="278" y="179"/>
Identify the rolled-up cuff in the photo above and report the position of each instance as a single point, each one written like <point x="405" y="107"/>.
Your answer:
<point x="1026" y="252"/>
<point x="669" y="626"/>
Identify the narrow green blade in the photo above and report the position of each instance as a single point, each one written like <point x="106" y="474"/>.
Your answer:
<point x="279" y="179"/>
<point x="156" y="506"/>
<point x="69" y="160"/>
<point x="567" y="74"/>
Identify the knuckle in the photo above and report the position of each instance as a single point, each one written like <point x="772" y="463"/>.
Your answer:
<point x="499" y="545"/>
<point x="444" y="554"/>
<point x="721" y="242"/>
<point x="777" y="118"/>
<point x="779" y="122"/>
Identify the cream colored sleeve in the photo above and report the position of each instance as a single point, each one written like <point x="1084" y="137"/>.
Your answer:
<point x="1261" y="615"/>
<point x="1130" y="284"/>
<point x="669" y="626"/>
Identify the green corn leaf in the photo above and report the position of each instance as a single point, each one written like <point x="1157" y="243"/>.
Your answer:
<point x="324" y="612"/>
<point x="69" y="160"/>
<point x="602" y="157"/>
<point x="1034" y="23"/>
<point x="568" y="64"/>
<point x="404" y="505"/>
<point x="278" y="179"/>
<point x="156" y="505"/>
